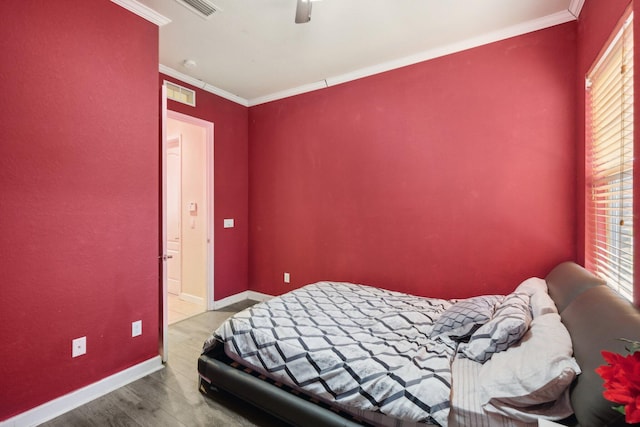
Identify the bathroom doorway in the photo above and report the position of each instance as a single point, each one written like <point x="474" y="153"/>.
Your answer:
<point x="189" y="211"/>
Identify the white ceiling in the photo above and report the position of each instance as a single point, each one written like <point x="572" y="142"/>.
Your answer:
<point x="251" y="51"/>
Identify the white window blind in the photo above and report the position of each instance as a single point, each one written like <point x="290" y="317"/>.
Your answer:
<point x="609" y="130"/>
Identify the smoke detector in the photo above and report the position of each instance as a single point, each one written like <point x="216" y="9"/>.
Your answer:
<point x="189" y="64"/>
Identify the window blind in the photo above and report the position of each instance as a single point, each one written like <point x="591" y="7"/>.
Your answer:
<point x="609" y="130"/>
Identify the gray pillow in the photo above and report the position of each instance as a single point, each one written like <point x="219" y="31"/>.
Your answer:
<point x="509" y="323"/>
<point x="464" y="317"/>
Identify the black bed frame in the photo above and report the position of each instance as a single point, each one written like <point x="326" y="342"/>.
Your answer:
<point x="219" y="372"/>
<point x="595" y="316"/>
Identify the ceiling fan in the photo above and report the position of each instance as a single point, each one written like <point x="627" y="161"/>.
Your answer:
<point x="303" y="11"/>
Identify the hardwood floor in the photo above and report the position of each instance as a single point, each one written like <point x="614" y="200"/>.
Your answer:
<point x="170" y="397"/>
<point x="179" y="309"/>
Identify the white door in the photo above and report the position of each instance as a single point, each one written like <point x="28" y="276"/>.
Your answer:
<point x="174" y="216"/>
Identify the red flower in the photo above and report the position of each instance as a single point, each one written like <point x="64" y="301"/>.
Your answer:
<point x="622" y="382"/>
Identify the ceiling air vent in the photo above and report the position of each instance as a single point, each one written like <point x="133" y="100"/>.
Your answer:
<point x="203" y="8"/>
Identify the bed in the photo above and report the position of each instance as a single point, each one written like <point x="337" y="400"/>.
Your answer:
<point x="339" y="354"/>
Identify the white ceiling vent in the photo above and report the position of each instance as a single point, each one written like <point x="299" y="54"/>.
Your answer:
<point x="203" y="8"/>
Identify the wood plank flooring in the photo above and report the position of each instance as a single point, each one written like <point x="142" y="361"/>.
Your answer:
<point x="170" y="397"/>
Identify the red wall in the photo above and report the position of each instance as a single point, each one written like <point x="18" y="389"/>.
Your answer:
<point x="79" y="183"/>
<point x="598" y="20"/>
<point x="449" y="178"/>
<point x="231" y="174"/>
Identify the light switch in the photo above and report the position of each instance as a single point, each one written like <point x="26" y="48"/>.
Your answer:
<point x="228" y="223"/>
<point x="136" y="328"/>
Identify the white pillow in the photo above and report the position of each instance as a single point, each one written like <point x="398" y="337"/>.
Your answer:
<point x="508" y="325"/>
<point x="532" y="285"/>
<point x="530" y="380"/>
<point x="541" y="303"/>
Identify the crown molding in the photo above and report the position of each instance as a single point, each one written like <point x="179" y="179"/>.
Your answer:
<point x="492" y="37"/>
<point x="202" y="85"/>
<point x="143" y="11"/>
<point x="513" y="31"/>
<point x="516" y="30"/>
<point x="575" y="7"/>
<point x="322" y="84"/>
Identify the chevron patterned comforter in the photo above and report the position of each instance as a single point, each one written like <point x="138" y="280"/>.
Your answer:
<point x="356" y="346"/>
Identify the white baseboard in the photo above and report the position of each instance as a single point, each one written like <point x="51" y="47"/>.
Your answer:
<point x="54" y="408"/>
<point x="191" y="298"/>
<point x="217" y="305"/>
<point x="258" y="296"/>
<point x="242" y="296"/>
<point x="59" y="406"/>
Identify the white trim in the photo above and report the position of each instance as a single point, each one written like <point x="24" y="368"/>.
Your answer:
<point x="239" y="297"/>
<point x="612" y="44"/>
<point x="575" y="7"/>
<point x="59" y="406"/>
<point x="217" y="305"/>
<point x="210" y="189"/>
<point x="202" y="85"/>
<point x="191" y="298"/>
<point x="258" y="296"/>
<point x="143" y="11"/>
<point x="164" y="285"/>
<point x="289" y="92"/>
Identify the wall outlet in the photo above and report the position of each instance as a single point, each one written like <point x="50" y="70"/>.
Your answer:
<point x="228" y="223"/>
<point x="78" y="346"/>
<point x="136" y="328"/>
<point x="287" y="278"/>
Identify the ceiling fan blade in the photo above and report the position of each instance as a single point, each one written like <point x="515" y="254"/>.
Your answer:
<point x="303" y="11"/>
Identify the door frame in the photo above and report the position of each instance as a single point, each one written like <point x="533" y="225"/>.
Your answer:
<point x="209" y="143"/>
<point x="208" y="126"/>
<point x="163" y="338"/>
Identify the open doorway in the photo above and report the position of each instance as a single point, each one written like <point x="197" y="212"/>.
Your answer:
<point x="188" y="208"/>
